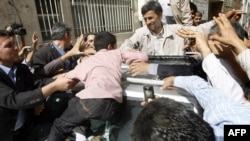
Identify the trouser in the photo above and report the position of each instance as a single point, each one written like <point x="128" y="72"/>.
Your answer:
<point x="80" y="111"/>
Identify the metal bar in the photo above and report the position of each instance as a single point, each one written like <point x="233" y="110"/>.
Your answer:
<point x="78" y="17"/>
<point x="95" y="15"/>
<point x="74" y="15"/>
<point x="86" y="18"/>
<point x="112" y="22"/>
<point x="81" y="17"/>
<point x="57" y="13"/>
<point x="106" y="9"/>
<point x="119" y="16"/>
<point x="89" y="24"/>
<point x="102" y="8"/>
<point x="46" y="7"/>
<point x="52" y="12"/>
<point x="43" y="17"/>
<point x="122" y="15"/>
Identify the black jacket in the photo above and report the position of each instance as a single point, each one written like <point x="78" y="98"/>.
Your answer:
<point x="47" y="62"/>
<point x="13" y="97"/>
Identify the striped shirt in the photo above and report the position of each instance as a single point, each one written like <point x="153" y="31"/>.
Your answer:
<point x="218" y="108"/>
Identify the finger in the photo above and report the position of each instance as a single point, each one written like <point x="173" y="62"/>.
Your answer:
<point x="183" y="32"/>
<point x="218" y="22"/>
<point x="186" y="47"/>
<point x="132" y="64"/>
<point x="80" y="53"/>
<point x="224" y="20"/>
<point x="150" y="99"/>
<point x="165" y="84"/>
<point x="218" y="47"/>
<point x="130" y="68"/>
<point x="189" y="31"/>
<point x="239" y="12"/>
<point x="218" y="38"/>
<point x="134" y="74"/>
<point x="167" y="87"/>
<point x="143" y="103"/>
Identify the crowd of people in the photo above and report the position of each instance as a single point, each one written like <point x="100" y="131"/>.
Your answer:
<point x="40" y="101"/>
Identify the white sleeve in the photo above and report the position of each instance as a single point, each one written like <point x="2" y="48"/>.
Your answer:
<point x="244" y="60"/>
<point x="220" y="78"/>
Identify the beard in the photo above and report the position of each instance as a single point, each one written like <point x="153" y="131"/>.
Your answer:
<point x="155" y="26"/>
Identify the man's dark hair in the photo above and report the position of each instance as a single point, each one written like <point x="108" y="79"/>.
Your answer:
<point x="193" y="7"/>
<point x="152" y="5"/>
<point x="58" y="30"/>
<point x="87" y="35"/>
<point x="167" y="120"/>
<point x="103" y="39"/>
<point x="198" y="14"/>
<point x="240" y="31"/>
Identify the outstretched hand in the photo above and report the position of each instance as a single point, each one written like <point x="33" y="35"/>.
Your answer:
<point x="201" y="41"/>
<point x="227" y="34"/>
<point x="35" y="38"/>
<point x="76" y="48"/>
<point x="138" y="68"/>
<point x="168" y="83"/>
<point x="234" y="15"/>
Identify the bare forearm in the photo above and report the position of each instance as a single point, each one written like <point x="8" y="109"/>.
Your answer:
<point x="66" y="56"/>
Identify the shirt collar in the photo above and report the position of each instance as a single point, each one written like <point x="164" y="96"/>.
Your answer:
<point x="7" y="69"/>
<point x="62" y="52"/>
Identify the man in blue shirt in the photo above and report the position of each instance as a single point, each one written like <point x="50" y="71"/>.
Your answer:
<point x="219" y="110"/>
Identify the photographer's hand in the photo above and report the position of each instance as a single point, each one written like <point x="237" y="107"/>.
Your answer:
<point x="34" y="39"/>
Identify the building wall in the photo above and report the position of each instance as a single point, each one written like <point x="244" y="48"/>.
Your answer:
<point x="236" y="4"/>
<point x="202" y="6"/>
<point x="21" y="11"/>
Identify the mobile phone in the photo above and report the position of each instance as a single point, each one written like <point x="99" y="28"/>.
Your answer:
<point x="148" y="92"/>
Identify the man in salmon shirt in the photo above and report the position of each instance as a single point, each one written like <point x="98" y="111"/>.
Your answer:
<point x="102" y="96"/>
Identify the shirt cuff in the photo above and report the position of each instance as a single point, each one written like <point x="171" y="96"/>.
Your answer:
<point x="152" y="69"/>
<point x="26" y="63"/>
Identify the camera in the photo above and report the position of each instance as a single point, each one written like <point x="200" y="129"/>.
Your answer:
<point x="17" y="29"/>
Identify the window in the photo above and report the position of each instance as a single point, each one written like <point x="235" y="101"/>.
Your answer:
<point x="228" y="3"/>
<point x="88" y="15"/>
<point x="48" y="12"/>
<point x="101" y="15"/>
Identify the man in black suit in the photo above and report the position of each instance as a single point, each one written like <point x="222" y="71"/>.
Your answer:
<point x="58" y="56"/>
<point x="19" y="92"/>
<point x="53" y="60"/>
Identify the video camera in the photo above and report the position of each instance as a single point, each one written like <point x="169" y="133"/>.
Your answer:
<point x="17" y="29"/>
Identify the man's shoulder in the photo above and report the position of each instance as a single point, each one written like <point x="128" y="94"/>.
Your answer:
<point x="142" y="30"/>
<point x="47" y="49"/>
<point x="47" y="46"/>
